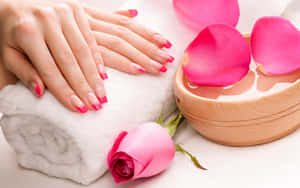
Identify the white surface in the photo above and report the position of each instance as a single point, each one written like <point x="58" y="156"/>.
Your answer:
<point x="271" y="165"/>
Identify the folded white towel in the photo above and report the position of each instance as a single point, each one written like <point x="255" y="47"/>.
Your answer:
<point x="49" y="138"/>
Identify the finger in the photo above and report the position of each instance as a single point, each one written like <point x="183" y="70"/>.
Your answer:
<point x="137" y="41"/>
<point x="19" y="65"/>
<point x="124" y="48"/>
<point x="131" y="13"/>
<point x="84" y="26"/>
<point x="119" y="62"/>
<point x="85" y="62"/>
<point x="31" y="41"/>
<point x="146" y="33"/>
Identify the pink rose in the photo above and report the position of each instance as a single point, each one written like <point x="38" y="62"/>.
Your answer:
<point x="143" y="152"/>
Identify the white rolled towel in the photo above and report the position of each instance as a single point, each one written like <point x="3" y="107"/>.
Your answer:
<point x="49" y="138"/>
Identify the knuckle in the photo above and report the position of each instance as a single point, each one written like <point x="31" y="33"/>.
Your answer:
<point x="74" y="4"/>
<point x="11" y="9"/>
<point x="45" y="13"/>
<point x="63" y="8"/>
<point x="25" y="25"/>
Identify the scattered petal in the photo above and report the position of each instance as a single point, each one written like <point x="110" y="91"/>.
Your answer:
<point x="275" y="45"/>
<point x="198" y="14"/>
<point x="218" y="56"/>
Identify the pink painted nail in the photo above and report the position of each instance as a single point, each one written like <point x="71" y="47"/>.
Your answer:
<point x="104" y="76"/>
<point x="97" y="106"/>
<point x="133" y="12"/>
<point x="82" y="110"/>
<point x="103" y="99"/>
<point x="170" y="59"/>
<point x="38" y="91"/>
<point x="95" y="103"/>
<point x="168" y="44"/>
<point x="163" y="69"/>
<point x="78" y="104"/>
<point x="142" y="70"/>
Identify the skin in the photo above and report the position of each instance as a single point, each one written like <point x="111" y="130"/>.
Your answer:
<point x="62" y="46"/>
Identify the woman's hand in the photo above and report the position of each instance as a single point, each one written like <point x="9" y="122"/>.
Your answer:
<point x="50" y="41"/>
<point x="128" y="46"/>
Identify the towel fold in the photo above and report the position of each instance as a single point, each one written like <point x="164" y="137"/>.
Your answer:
<point x="49" y="138"/>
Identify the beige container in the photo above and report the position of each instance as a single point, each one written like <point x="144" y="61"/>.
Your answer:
<point x="256" y="110"/>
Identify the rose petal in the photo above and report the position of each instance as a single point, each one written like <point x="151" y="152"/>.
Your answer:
<point x="275" y="45"/>
<point x="219" y="56"/>
<point x="122" y="167"/>
<point x="200" y="13"/>
<point x="115" y="147"/>
<point x="151" y="147"/>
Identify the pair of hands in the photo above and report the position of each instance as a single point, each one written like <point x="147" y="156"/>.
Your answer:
<point x="63" y="45"/>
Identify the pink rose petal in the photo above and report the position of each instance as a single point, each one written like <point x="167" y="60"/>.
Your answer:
<point x="200" y="13"/>
<point x="151" y="147"/>
<point x="275" y="45"/>
<point x="219" y="56"/>
<point x="115" y="146"/>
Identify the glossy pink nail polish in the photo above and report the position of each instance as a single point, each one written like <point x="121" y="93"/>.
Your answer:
<point x="97" y="106"/>
<point x="103" y="99"/>
<point x="133" y="12"/>
<point x="142" y="70"/>
<point x="163" y="69"/>
<point x="82" y="110"/>
<point x="168" y="44"/>
<point x="78" y="104"/>
<point x="38" y="91"/>
<point x="95" y="103"/>
<point x="170" y="59"/>
<point x="103" y="76"/>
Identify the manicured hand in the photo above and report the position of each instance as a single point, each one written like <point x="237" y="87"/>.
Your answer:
<point x="50" y="42"/>
<point x="127" y="45"/>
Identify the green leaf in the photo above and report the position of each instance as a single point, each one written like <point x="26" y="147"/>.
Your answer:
<point x="179" y="148"/>
<point x="160" y="118"/>
<point x="171" y="127"/>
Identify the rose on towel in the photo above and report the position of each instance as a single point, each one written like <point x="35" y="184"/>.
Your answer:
<point x="145" y="151"/>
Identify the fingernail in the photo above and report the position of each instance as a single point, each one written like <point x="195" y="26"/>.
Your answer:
<point x="159" y="38"/>
<point x="168" y="44"/>
<point x="100" y="92"/>
<point x="103" y="76"/>
<point x="94" y="101"/>
<point x="133" y="12"/>
<point x="142" y="70"/>
<point x="36" y="89"/>
<point x="102" y="99"/>
<point x="78" y="104"/>
<point x="170" y="59"/>
<point x="102" y="73"/>
<point x="163" y="69"/>
<point x="164" y="56"/>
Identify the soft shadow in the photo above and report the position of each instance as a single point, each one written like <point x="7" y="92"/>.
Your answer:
<point x="265" y="82"/>
<point x="214" y="92"/>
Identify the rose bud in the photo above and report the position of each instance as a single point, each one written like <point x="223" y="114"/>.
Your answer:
<point x="143" y="152"/>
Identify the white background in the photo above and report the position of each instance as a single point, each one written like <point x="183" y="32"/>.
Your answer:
<point x="271" y="165"/>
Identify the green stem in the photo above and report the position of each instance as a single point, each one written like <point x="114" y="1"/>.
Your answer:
<point x="179" y="148"/>
<point x="171" y="128"/>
